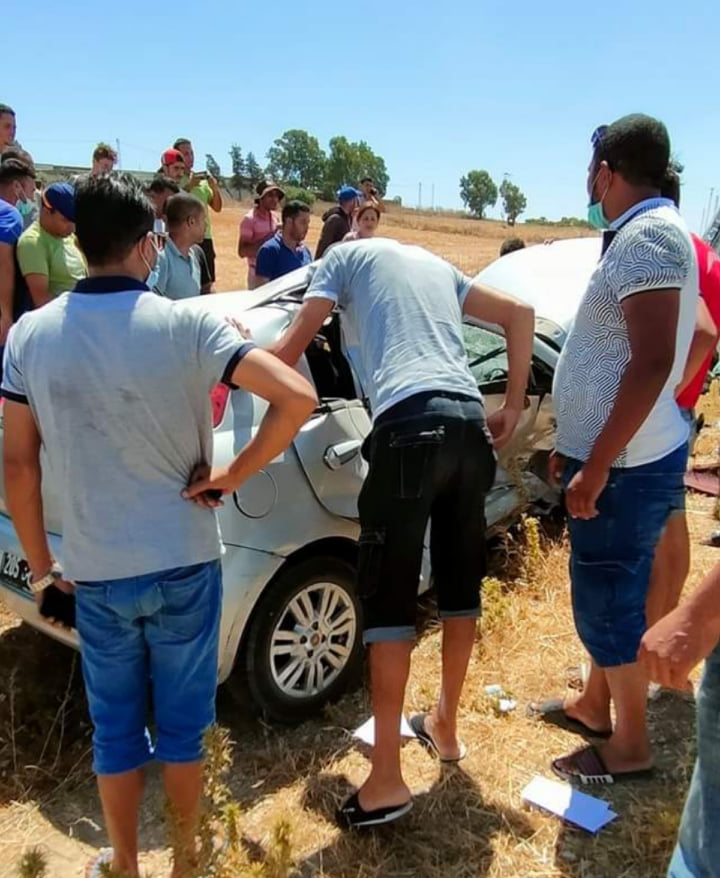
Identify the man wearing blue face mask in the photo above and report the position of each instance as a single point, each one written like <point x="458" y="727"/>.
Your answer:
<point x="621" y="440"/>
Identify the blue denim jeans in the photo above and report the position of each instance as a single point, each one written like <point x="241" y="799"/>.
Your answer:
<point x="697" y="854"/>
<point x="155" y="634"/>
<point x="612" y="554"/>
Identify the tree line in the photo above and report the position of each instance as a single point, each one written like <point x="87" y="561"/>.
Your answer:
<point x="297" y="160"/>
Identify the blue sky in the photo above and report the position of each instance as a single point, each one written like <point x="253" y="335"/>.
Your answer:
<point x="436" y="90"/>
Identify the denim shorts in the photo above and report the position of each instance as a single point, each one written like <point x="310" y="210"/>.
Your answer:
<point x="431" y="459"/>
<point x="612" y="554"/>
<point x="153" y="635"/>
<point x="697" y="854"/>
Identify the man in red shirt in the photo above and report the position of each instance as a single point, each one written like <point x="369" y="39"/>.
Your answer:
<point x="672" y="556"/>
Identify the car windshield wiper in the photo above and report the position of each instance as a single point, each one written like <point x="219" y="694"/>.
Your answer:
<point x="485" y="357"/>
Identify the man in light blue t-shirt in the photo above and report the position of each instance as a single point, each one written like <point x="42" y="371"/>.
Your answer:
<point x="431" y="458"/>
<point x="117" y="380"/>
<point x="181" y="271"/>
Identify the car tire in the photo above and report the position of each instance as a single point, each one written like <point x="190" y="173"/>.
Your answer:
<point x="281" y="644"/>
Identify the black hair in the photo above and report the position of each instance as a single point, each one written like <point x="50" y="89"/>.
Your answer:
<point x="293" y="209"/>
<point x="17" y="153"/>
<point x="671" y="184"/>
<point x="112" y="213"/>
<point x="162" y="184"/>
<point x="181" y="207"/>
<point x="181" y="141"/>
<point x="367" y="180"/>
<point x="638" y="148"/>
<point x="12" y="170"/>
<point x="5" y="109"/>
<point x="509" y="245"/>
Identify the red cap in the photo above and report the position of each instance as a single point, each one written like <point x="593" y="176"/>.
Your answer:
<point x="170" y="156"/>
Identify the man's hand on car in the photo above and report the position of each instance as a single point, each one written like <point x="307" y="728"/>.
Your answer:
<point x="556" y="468"/>
<point x="502" y="424"/>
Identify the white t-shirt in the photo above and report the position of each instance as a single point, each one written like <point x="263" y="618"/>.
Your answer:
<point x="651" y="251"/>
<point x="401" y="317"/>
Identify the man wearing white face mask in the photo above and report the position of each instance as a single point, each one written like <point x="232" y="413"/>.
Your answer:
<point x="14" y="177"/>
<point x="117" y="380"/>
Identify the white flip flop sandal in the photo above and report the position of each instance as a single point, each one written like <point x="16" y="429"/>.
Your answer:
<point x="103" y="858"/>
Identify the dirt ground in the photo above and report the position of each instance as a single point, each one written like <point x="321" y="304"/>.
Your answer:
<point x="468" y="820"/>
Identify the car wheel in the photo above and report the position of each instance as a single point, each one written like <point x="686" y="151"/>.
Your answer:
<point x="304" y="646"/>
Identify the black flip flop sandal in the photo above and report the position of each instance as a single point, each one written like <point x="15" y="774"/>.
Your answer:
<point x="553" y="713"/>
<point x="587" y="767"/>
<point x="353" y="816"/>
<point x="417" y="724"/>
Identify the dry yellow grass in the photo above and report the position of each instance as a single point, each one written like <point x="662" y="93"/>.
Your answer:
<point x="468" y="820"/>
<point x="469" y="244"/>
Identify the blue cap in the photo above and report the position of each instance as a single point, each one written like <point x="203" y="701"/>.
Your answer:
<point x="61" y="197"/>
<point x="346" y="193"/>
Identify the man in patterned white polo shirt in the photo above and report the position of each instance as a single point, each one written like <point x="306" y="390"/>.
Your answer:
<point x="622" y="442"/>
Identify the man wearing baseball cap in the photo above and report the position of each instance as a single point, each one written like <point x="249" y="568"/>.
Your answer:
<point x="338" y="220"/>
<point x="172" y="165"/>
<point x="47" y="254"/>
<point x="259" y="225"/>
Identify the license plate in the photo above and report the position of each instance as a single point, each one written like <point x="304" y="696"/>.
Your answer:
<point x="15" y="571"/>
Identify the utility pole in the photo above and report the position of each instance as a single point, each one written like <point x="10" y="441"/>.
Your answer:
<point x="419" y="196"/>
<point x="433" y="196"/>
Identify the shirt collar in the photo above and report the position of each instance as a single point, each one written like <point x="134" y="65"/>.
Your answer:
<point x="169" y="243"/>
<point x="110" y="284"/>
<point x="641" y="207"/>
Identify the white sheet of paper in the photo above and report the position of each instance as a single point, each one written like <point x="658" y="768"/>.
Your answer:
<point x="366" y="732"/>
<point x="570" y="804"/>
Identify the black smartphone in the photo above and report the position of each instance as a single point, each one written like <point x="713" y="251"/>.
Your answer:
<point x="58" y="605"/>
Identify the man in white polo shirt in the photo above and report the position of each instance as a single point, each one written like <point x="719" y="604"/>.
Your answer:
<point x="621" y="439"/>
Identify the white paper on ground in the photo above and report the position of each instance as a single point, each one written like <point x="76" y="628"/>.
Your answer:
<point x="575" y="807"/>
<point x="366" y="732"/>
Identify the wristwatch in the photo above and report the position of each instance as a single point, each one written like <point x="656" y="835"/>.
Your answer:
<point x="53" y="574"/>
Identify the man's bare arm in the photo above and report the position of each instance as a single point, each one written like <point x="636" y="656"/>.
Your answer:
<point x="308" y="321"/>
<point x="703" y="342"/>
<point x="21" y="463"/>
<point x="291" y="400"/>
<point x="517" y="320"/>
<point x="216" y="201"/>
<point x="39" y="288"/>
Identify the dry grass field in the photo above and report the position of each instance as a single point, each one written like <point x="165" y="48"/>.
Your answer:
<point x="468" y="820"/>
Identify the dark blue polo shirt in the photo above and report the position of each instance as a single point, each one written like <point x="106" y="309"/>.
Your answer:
<point x="275" y="258"/>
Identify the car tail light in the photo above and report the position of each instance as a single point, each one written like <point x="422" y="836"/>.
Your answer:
<point x="218" y="401"/>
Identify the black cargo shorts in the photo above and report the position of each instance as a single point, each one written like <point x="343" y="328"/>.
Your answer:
<point x="431" y="459"/>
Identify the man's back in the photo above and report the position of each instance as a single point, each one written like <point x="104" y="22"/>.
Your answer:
<point x="401" y="314"/>
<point x="119" y="383"/>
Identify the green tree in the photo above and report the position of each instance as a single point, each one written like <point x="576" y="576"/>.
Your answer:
<point x="296" y="158"/>
<point x="238" y="167"/>
<point x="252" y="169"/>
<point x="478" y="192"/>
<point x="212" y="166"/>
<point x="349" y="162"/>
<point x="514" y="202"/>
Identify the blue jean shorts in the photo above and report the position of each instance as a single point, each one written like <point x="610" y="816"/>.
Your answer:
<point x="154" y="635"/>
<point x="612" y="554"/>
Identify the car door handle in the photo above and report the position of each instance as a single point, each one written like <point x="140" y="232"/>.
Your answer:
<point x="338" y="455"/>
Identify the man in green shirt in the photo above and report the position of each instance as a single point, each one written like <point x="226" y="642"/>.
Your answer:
<point x="204" y="187"/>
<point x="47" y="254"/>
